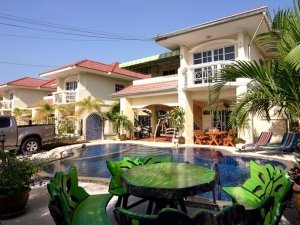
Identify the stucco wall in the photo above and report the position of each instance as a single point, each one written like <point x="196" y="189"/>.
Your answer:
<point x="26" y="97"/>
<point x="171" y="100"/>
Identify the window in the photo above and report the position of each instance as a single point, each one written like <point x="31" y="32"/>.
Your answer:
<point x="119" y="87"/>
<point x="4" y="122"/>
<point x="71" y="85"/>
<point x="225" y="53"/>
<point x="169" y="72"/>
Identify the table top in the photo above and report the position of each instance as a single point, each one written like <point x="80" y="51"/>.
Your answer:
<point x="168" y="180"/>
<point x="215" y="132"/>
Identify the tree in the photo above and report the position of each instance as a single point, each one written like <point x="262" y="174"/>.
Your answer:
<point x="45" y="111"/>
<point x="18" y="113"/>
<point x="89" y="105"/>
<point x="276" y="81"/>
<point x="122" y="123"/>
<point x="177" y="115"/>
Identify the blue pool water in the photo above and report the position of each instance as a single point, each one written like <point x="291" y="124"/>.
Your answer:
<point x="91" y="161"/>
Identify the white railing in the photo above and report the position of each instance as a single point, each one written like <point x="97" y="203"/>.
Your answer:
<point x="204" y="74"/>
<point x="64" y="97"/>
<point x="6" y="104"/>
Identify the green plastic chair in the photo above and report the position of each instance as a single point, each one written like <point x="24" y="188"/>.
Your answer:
<point x="166" y="216"/>
<point x="264" y="181"/>
<point x="231" y="215"/>
<point x="115" y="186"/>
<point x="70" y="204"/>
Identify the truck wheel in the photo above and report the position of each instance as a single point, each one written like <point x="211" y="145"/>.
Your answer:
<point x="31" y="145"/>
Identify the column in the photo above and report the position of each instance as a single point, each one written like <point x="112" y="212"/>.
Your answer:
<point x="186" y="103"/>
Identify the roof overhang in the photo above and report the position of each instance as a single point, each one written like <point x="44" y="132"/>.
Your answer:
<point x="152" y="59"/>
<point x="247" y="22"/>
<point x="14" y="87"/>
<point x="72" y="70"/>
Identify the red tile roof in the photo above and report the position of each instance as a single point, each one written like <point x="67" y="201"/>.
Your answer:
<point x="112" y="68"/>
<point x="36" y="104"/>
<point x="1" y="93"/>
<point x="32" y="82"/>
<point x="148" y="88"/>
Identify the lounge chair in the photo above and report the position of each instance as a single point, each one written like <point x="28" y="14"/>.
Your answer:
<point x="288" y="143"/>
<point x="263" y="140"/>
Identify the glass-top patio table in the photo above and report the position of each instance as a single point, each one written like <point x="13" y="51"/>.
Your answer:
<point x="168" y="183"/>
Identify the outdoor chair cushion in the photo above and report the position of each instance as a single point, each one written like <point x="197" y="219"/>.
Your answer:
<point x="264" y="139"/>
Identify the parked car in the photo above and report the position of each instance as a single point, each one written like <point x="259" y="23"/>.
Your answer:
<point x="28" y="138"/>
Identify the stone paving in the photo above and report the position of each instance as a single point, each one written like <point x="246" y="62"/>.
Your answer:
<point x="37" y="211"/>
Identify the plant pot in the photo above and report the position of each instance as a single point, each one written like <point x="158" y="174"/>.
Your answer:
<point x="123" y="137"/>
<point x="296" y="197"/>
<point x="13" y="206"/>
<point x="181" y="140"/>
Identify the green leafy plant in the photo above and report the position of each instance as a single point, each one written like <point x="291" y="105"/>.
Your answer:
<point x="294" y="172"/>
<point x="177" y="115"/>
<point x="17" y="174"/>
<point x="122" y="123"/>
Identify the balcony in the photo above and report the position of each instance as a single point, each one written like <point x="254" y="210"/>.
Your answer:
<point x="65" y="97"/>
<point x="204" y="74"/>
<point x="6" y="105"/>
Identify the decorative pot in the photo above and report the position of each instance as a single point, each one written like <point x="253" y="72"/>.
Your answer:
<point x="181" y="140"/>
<point x="12" y="206"/>
<point x="296" y="197"/>
<point x="123" y="137"/>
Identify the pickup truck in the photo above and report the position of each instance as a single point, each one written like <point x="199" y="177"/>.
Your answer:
<point x="28" y="137"/>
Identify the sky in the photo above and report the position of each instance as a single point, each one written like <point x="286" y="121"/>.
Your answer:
<point x="39" y="35"/>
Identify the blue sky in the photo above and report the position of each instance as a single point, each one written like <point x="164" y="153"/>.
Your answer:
<point x="24" y="43"/>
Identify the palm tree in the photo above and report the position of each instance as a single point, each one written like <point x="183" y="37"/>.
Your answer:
<point x="89" y="105"/>
<point x="275" y="82"/>
<point x="17" y="112"/>
<point x="45" y="111"/>
<point x="122" y="124"/>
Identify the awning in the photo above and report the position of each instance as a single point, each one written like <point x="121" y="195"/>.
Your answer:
<point x="149" y="59"/>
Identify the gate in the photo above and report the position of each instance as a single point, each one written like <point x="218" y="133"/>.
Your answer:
<point x="94" y="127"/>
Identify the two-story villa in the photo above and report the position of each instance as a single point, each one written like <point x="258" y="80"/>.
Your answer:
<point x="85" y="78"/>
<point x="24" y="93"/>
<point x="183" y="76"/>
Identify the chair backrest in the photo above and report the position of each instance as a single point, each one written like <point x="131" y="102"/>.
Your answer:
<point x="265" y="180"/>
<point x="230" y="215"/>
<point x="292" y="141"/>
<point x="198" y="133"/>
<point x="264" y="138"/>
<point x="285" y="137"/>
<point x="65" y="196"/>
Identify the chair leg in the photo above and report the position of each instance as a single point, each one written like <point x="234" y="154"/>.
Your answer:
<point x="125" y="201"/>
<point x="119" y="201"/>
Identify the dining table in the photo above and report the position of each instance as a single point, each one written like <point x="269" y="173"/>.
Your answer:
<point x="168" y="183"/>
<point x="215" y="136"/>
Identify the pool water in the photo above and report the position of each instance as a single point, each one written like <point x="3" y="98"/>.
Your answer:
<point x="91" y="161"/>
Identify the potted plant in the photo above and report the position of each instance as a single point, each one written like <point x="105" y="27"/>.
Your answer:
<point x="122" y="125"/>
<point x="177" y="116"/>
<point x="15" y="180"/>
<point x="294" y="173"/>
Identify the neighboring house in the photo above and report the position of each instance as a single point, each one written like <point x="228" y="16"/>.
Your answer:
<point x="198" y="52"/>
<point x="85" y="78"/>
<point x="23" y="93"/>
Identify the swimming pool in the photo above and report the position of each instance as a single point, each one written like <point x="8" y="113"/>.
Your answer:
<point x="91" y="161"/>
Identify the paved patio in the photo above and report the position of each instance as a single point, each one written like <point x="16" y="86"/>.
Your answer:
<point x="37" y="211"/>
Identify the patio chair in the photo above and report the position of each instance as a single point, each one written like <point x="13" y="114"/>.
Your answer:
<point x="229" y="139"/>
<point x="264" y="181"/>
<point x="115" y="186"/>
<point x="263" y="140"/>
<point x="70" y="204"/>
<point x="200" y="138"/>
<point x="167" y="216"/>
<point x="231" y="215"/>
<point x="288" y="143"/>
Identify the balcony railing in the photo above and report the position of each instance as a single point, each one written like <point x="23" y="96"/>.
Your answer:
<point x="204" y="74"/>
<point x="6" y="105"/>
<point x="64" y="97"/>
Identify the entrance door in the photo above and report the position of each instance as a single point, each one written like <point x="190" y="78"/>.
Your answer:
<point x="94" y="127"/>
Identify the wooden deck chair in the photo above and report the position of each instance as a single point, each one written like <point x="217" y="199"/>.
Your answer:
<point x="200" y="138"/>
<point x="229" y="139"/>
<point x="263" y="140"/>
